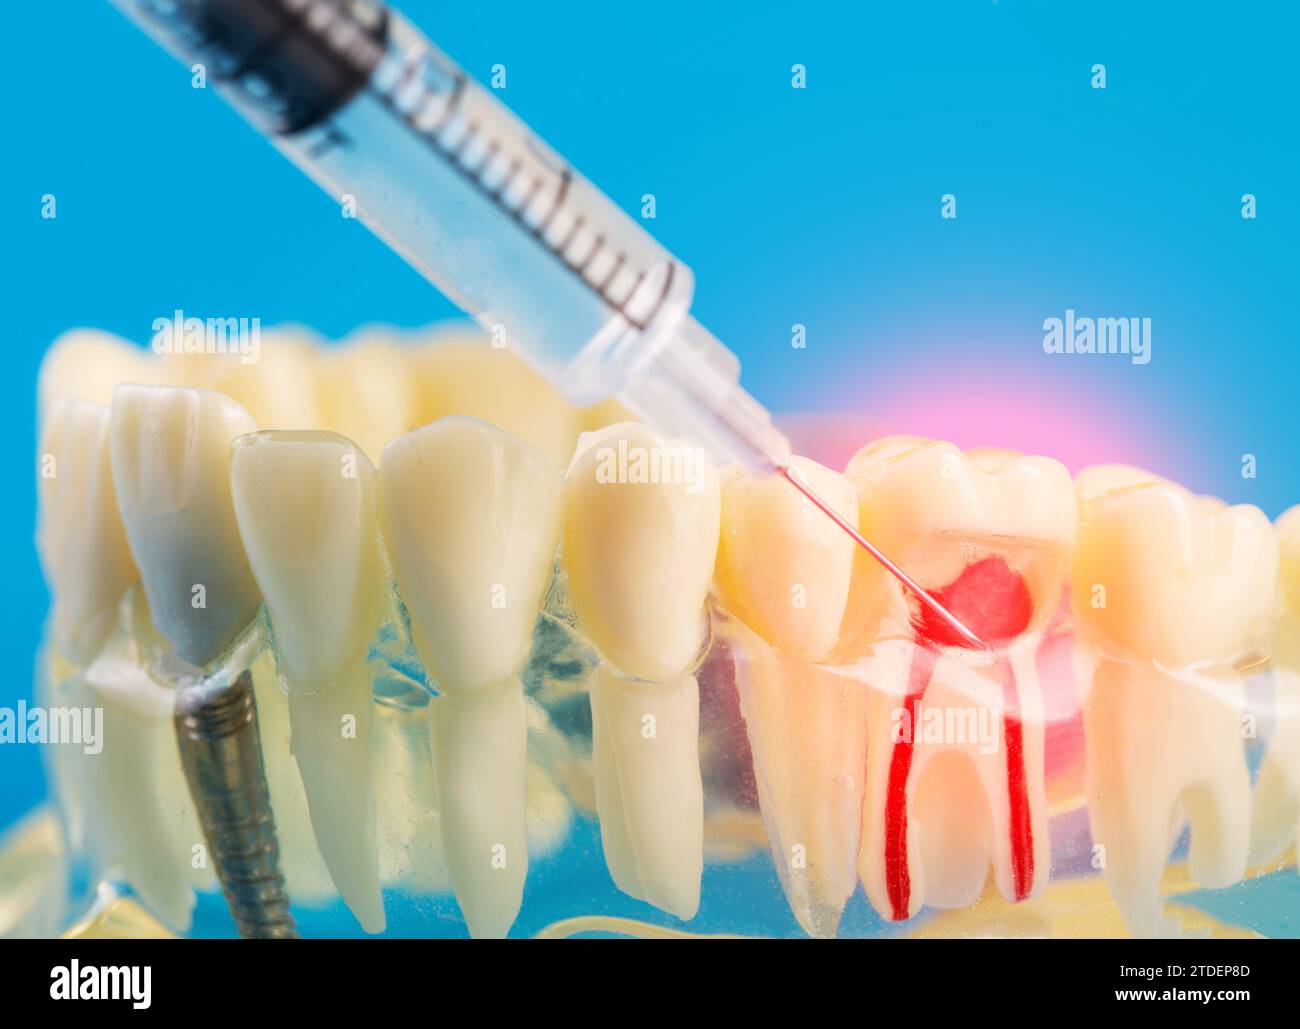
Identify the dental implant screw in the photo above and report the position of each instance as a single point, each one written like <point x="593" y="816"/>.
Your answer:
<point x="221" y="752"/>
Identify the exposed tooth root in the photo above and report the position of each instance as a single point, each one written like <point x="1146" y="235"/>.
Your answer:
<point x="171" y="472"/>
<point x="954" y="779"/>
<point x="471" y="517"/>
<point x="1144" y="781"/>
<point x="807" y="731"/>
<point x="480" y="749"/>
<point x="639" y="549"/>
<point x="646" y="757"/>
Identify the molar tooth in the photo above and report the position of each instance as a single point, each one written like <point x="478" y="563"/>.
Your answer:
<point x="465" y="376"/>
<point x="1169" y="591"/>
<point x="304" y="502"/>
<point x="82" y="543"/>
<point x="639" y="550"/>
<point x="955" y="758"/>
<point x="170" y="451"/>
<point x="470" y="514"/>
<point x="784" y="571"/>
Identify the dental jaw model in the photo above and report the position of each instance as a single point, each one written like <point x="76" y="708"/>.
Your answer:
<point x="1170" y="593"/>
<point x="641" y="522"/>
<point x="816" y="664"/>
<point x="470" y="515"/>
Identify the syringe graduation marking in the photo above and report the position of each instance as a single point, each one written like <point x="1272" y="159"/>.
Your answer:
<point x="452" y="154"/>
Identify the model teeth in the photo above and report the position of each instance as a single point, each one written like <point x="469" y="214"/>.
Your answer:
<point x="171" y="470"/>
<point x="369" y="392"/>
<point x="784" y="570"/>
<point x="955" y="749"/>
<point x="467" y="376"/>
<point x="304" y="502"/>
<point x="470" y="514"/>
<point x="88" y="365"/>
<point x="639" y="556"/>
<point x="1169" y="592"/>
<point x="81" y="540"/>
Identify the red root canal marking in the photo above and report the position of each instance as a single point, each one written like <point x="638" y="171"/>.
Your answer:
<point x="994" y="603"/>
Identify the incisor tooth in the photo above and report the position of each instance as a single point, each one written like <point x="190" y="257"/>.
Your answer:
<point x="369" y="392"/>
<point x="82" y="543"/>
<point x="640" y="537"/>
<point x="1276" y="813"/>
<point x="955" y="772"/>
<point x="86" y="364"/>
<point x="1169" y="591"/>
<point x="466" y="376"/>
<point x="304" y="502"/>
<point x="784" y="570"/>
<point x="470" y="514"/>
<point x="170" y="448"/>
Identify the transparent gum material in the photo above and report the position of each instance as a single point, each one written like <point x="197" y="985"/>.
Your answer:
<point x="750" y="885"/>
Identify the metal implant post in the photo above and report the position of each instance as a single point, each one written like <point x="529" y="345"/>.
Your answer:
<point x="221" y="752"/>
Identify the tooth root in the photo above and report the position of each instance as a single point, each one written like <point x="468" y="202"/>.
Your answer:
<point x="141" y="823"/>
<point x="648" y="790"/>
<point x="807" y="732"/>
<point x="470" y="514"/>
<point x="955" y="779"/>
<point x="480" y="747"/>
<point x="170" y="451"/>
<point x="81" y="540"/>
<point x="304" y="502"/>
<point x="639" y="551"/>
<point x="1140" y="773"/>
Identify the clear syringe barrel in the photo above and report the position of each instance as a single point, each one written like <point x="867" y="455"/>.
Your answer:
<point x="452" y="180"/>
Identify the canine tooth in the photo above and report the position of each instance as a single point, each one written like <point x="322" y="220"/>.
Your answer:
<point x="304" y="502"/>
<point x="639" y="556"/>
<point x="466" y="376"/>
<point x="955" y="774"/>
<point x="784" y="570"/>
<point x="86" y="364"/>
<point x="1169" y="591"/>
<point x="170" y="450"/>
<point x="470" y="514"/>
<point x="370" y="392"/>
<point x="82" y="543"/>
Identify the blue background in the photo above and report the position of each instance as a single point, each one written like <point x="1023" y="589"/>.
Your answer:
<point x="817" y="206"/>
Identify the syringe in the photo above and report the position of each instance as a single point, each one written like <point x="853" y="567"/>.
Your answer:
<point x="455" y="183"/>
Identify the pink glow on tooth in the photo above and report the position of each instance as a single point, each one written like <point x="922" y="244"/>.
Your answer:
<point x="972" y="411"/>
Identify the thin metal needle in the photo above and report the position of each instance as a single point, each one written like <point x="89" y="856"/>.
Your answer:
<point x="921" y="594"/>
